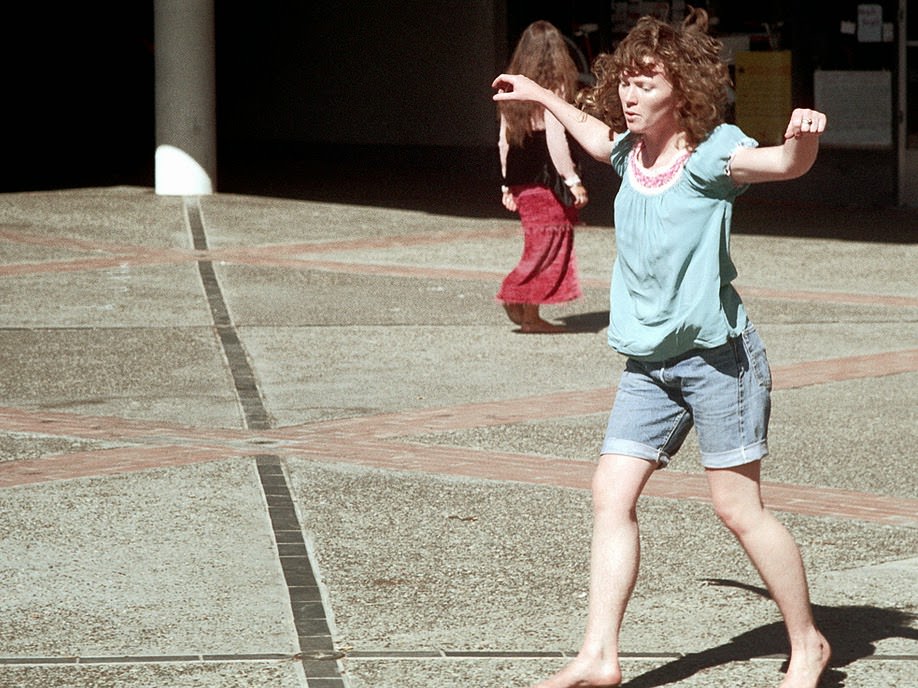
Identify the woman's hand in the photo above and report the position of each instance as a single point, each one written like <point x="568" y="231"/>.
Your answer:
<point x="508" y="200"/>
<point x="805" y="122"/>
<point x="517" y="87"/>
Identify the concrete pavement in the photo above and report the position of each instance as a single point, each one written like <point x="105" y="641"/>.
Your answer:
<point x="247" y="441"/>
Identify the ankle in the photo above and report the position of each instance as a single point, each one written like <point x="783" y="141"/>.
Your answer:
<point x="603" y="662"/>
<point x="809" y="658"/>
<point x="811" y="643"/>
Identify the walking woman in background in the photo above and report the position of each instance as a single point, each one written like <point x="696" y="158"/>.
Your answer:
<point x="693" y="357"/>
<point x="537" y="167"/>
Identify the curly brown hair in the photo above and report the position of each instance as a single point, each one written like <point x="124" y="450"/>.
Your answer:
<point x="691" y="62"/>
<point x="543" y="56"/>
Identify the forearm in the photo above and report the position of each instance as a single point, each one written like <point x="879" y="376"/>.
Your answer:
<point x="503" y="148"/>
<point x="558" y="148"/>
<point x="799" y="154"/>
<point x="561" y="158"/>
<point x="790" y="160"/>
<point x="591" y="133"/>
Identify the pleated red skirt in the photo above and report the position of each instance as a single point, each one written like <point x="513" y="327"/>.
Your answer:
<point x="547" y="271"/>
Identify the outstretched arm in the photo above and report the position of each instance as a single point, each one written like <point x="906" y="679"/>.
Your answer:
<point x="591" y="133"/>
<point x="792" y="159"/>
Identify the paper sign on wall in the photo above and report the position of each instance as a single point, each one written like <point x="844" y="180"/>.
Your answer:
<point x="869" y="23"/>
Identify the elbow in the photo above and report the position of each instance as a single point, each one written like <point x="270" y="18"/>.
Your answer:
<point x="797" y="170"/>
<point x="601" y="152"/>
<point x="601" y="157"/>
<point x="800" y="159"/>
<point x="792" y="172"/>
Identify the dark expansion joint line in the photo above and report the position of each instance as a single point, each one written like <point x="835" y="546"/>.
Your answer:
<point x="317" y="648"/>
<point x="253" y="408"/>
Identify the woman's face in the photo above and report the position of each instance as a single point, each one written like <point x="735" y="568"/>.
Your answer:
<point x="648" y="101"/>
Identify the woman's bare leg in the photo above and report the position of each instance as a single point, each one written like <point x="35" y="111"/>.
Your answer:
<point x="514" y="312"/>
<point x="615" y="557"/>
<point x="773" y="551"/>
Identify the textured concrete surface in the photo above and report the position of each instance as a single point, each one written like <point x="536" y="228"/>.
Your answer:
<point x="428" y="522"/>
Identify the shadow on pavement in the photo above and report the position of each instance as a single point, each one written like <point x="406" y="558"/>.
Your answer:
<point x="586" y="322"/>
<point x="842" y="197"/>
<point x="852" y="631"/>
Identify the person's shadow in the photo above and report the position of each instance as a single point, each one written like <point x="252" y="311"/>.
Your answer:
<point x="851" y="631"/>
<point x="586" y="322"/>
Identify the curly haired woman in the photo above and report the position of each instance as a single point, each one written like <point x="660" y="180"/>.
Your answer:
<point x="693" y="357"/>
<point x="534" y="151"/>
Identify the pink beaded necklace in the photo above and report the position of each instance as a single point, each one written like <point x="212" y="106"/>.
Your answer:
<point x="660" y="180"/>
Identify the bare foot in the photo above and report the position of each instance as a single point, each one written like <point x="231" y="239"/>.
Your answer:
<point x="541" y="327"/>
<point x="533" y="323"/>
<point x="807" y="665"/>
<point x="585" y="673"/>
<point x="514" y="312"/>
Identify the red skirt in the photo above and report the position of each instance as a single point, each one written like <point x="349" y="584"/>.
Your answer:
<point x="547" y="271"/>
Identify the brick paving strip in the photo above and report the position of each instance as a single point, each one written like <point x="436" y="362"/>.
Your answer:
<point x="384" y="441"/>
<point x="300" y="256"/>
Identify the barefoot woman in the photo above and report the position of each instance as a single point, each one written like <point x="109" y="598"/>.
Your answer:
<point x="534" y="151"/>
<point x="694" y="358"/>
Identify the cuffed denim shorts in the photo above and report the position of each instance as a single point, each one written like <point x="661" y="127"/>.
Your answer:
<point x="725" y="392"/>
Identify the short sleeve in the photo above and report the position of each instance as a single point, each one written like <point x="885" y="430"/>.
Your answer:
<point x="708" y="168"/>
<point x="620" y="150"/>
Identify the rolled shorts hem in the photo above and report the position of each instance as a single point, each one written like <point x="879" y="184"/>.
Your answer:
<point x="735" y="457"/>
<point x="636" y="450"/>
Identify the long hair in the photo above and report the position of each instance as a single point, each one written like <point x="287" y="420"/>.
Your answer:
<point x="542" y="55"/>
<point x="691" y="62"/>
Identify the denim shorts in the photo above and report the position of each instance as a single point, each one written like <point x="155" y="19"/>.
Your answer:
<point x="725" y="392"/>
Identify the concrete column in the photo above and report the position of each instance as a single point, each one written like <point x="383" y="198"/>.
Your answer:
<point x="186" y="117"/>
<point x="907" y="157"/>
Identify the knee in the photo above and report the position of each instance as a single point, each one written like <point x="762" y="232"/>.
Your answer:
<point x="738" y="517"/>
<point x="614" y="509"/>
<point x="609" y="500"/>
<point x="728" y="515"/>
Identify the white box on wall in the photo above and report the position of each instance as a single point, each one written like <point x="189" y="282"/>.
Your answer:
<point x="858" y="105"/>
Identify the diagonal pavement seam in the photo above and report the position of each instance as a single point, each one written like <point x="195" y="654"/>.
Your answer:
<point x="379" y="441"/>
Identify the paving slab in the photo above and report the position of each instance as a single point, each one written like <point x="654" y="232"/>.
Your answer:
<point x="137" y="673"/>
<point x="142" y="564"/>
